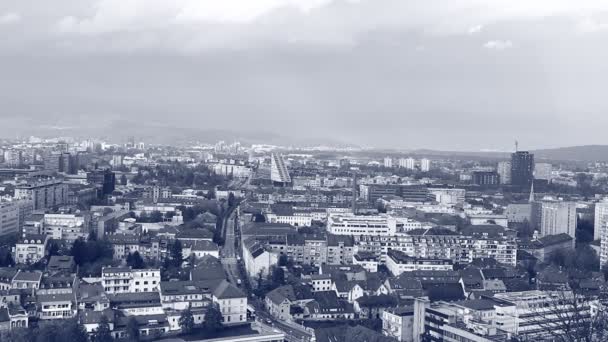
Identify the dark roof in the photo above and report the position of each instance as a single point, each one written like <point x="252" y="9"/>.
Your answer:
<point x="347" y="333"/>
<point x="265" y="229"/>
<point x="477" y="304"/>
<point x="196" y="234"/>
<point x="225" y="290"/>
<point x="168" y="288"/>
<point x="61" y="263"/>
<point x="431" y="231"/>
<point x="551" y="240"/>
<point x="445" y="292"/>
<point x="280" y="294"/>
<point x="208" y="268"/>
<point x="90" y="316"/>
<point x="335" y="240"/>
<point x="489" y="230"/>
<point x="28" y="276"/>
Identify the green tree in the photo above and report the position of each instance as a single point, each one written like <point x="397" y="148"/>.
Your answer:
<point x="135" y="261"/>
<point x="186" y="321"/>
<point x="213" y="319"/>
<point x="156" y="216"/>
<point x="73" y="331"/>
<point x="103" y="332"/>
<point x="79" y="251"/>
<point x="177" y="253"/>
<point x="132" y="329"/>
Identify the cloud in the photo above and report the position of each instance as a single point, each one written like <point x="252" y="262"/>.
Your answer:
<point x="591" y="25"/>
<point x="498" y="44"/>
<point x="10" y="18"/>
<point x="475" y="29"/>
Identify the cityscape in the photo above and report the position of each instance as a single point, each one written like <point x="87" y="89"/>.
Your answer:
<point x="303" y="171"/>
<point x="231" y="242"/>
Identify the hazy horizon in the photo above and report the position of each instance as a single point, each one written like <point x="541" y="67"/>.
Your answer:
<point x="448" y="75"/>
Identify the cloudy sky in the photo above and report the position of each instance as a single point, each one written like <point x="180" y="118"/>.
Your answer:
<point x="443" y="74"/>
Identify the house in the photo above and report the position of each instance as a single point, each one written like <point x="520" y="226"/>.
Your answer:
<point x="327" y="306"/>
<point x="30" y="248"/>
<point x="321" y="282"/>
<point x="257" y="258"/>
<point x="92" y="297"/>
<point x="180" y="295"/>
<point x="26" y="280"/>
<point x="56" y="284"/>
<point x="278" y="302"/>
<point x="199" y="249"/>
<point x="61" y="264"/>
<point x="547" y="245"/>
<point x="346" y="333"/>
<point x="367" y="260"/>
<point x="404" y="286"/>
<point x="90" y="319"/>
<point x="208" y="268"/>
<point x="398" y="323"/>
<point x="56" y="306"/>
<point x="126" y="279"/>
<point x="398" y="262"/>
<point x="137" y="303"/>
<point x="149" y="325"/>
<point x="232" y="302"/>
<point x="11" y="317"/>
<point x="6" y="277"/>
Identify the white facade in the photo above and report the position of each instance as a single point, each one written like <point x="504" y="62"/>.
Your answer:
<point x="425" y="165"/>
<point x="504" y="172"/>
<point x="30" y="249"/>
<point x="362" y="225"/>
<point x="558" y="217"/>
<point x="388" y="162"/>
<point x="9" y="217"/>
<point x="601" y="218"/>
<point x="543" y="171"/>
<point x="448" y="196"/>
<point x="126" y="280"/>
<point x="68" y="227"/>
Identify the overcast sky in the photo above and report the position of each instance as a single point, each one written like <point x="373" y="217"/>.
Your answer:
<point x="442" y="74"/>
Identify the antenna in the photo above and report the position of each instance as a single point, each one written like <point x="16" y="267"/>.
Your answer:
<point x="516" y="146"/>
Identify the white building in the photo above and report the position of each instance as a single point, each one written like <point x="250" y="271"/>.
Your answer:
<point x="30" y="249"/>
<point x="13" y="214"/>
<point x="425" y="165"/>
<point x="44" y="193"/>
<point x="504" y="172"/>
<point x="258" y="260"/>
<point x="232" y="303"/>
<point x="448" y="196"/>
<point x="558" y="217"/>
<point x="388" y="162"/>
<point x="398" y="323"/>
<point x="68" y="227"/>
<point x="398" y="262"/>
<point x="601" y="218"/>
<point x="278" y="170"/>
<point x="543" y="171"/>
<point x="127" y="280"/>
<point x="363" y="225"/>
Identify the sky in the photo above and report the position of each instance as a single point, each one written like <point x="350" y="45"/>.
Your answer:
<point x="439" y="74"/>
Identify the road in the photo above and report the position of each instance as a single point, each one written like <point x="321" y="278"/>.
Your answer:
<point x="293" y="332"/>
<point x="228" y="253"/>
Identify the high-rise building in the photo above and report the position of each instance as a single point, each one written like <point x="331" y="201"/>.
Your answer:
<point x="105" y="180"/>
<point x="543" y="171"/>
<point x="504" y="172"/>
<point x="425" y="165"/>
<point x="388" y="162"/>
<point x="558" y="217"/>
<point x="522" y="168"/>
<point x="484" y="178"/>
<point x="45" y="193"/>
<point x="407" y="163"/>
<point x="601" y="219"/>
<point x="278" y="170"/>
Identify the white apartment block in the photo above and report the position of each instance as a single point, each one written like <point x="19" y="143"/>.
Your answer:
<point x="44" y="193"/>
<point x="68" y="227"/>
<point x="558" y="217"/>
<point x="425" y="165"/>
<point x="12" y="215"/>
<point x="363" y="225"/>
<point x="127" y="280"/>
<point x="601" y="219"/>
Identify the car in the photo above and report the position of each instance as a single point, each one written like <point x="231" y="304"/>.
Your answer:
<point x="268" y="321"/>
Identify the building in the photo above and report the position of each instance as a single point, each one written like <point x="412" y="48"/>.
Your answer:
<point x="407" y="163"/>
<point x="485" y="178"/>
<point x="105" y="180"/>
<point x="543" y="171"/>
<point x="409" y="193"/>
<point x="388" y="162"/>
<point x="127" y="280"/>
<point x="257" y="258"/>
<point x="504" y="172"/>
<point x="448" y="196"/>
<point x="56" y="306"/>
<point x="558" y="217"/>
<point x="13" y="215"/>
<point x="363" y="225"/>
<point x="522" y="169"/>
<point x="601" y="219"/>
<point x="232" y="302"/>
<point x="425" y="165"/>
<point x="278" y="170"/>
<point x="67" y="226"/>
<point x="44" y="193"/>
<point x="398" y="262"/>
<point x="398" y="323"/>
<point x="30" y="249"/>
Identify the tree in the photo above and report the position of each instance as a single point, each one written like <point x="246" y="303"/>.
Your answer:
<point x="135" y="261"/>
<point x="176" y="253"/>
<point x="278" y="277"/>
<point x="156" y="216"/>
<point x="53" y="248"/>
<point x="132" y="329"/>
<point x="211" y="194"/>
<point x="79" y="251"/>
<point x="73" y="331"/>
<point x="103" y="332"/>
<point x="186" y="321"/>
<point x="213" y="319"/>
<point x="123" y="179"/>
<point x="567" y="316"/>
<point x="231" y="199"/>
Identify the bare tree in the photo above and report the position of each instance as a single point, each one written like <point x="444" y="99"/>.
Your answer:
<point x="565" y="316"/>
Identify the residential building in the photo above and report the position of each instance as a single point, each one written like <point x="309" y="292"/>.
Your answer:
<point x="398" y="262"/>
<point x="398" y="323"/>
<point x="504" y="172"/>
<point x="543" y="171"/>
<point x="258" y="259"/>
<point x="363" y="225"/>
<point x="601" y="219"/>
<point x="425" y="165"/>
<point x="127" y="280"/>
<point x="67" y="226"/>
<point x="232" y="303"/>
<point x="30" y="248"/>
<point x="43" y="192"/>
<point x="13" y="214"/>
<point x="56" y="306"/>
<point x="278" y="170"/>
<point x="558" y="217"/>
